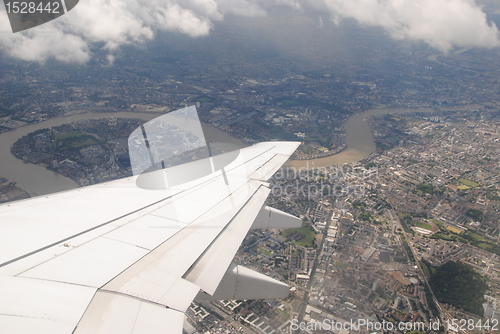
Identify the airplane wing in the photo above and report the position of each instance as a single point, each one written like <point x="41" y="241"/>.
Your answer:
<point x="118" y="258"/>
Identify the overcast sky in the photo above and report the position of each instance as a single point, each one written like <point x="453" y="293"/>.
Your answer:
<point x="109" y="24"/>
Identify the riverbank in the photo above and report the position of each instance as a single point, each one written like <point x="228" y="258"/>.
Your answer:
<point x="37" y="180"/>
<point x="359" y="137"/>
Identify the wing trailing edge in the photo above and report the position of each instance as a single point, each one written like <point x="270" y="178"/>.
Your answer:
<point x="133" y="265"/>
<point x="273" y="218"/>
<point x="242" y="283"/>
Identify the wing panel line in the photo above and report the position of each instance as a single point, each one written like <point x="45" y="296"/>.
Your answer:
<point x="115" y="219"/>
<point x="83" y="232"/>
<point x="186" y="274"/>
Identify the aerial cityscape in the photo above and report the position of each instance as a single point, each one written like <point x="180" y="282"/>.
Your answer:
<point x="396" y="180"/>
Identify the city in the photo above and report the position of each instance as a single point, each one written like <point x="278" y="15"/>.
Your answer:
<point x="382" y="229"/>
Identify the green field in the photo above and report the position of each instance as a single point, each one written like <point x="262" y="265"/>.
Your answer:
<point x="426" y="188"/>
<point x="284" y="314"/>
<point x="74" y="140"/>
<point x="477" y="237"/>
<point x="62" y="136"/>
<point x="485" y="246"/>
<point x="437" y="222"/>
<point x="373" y="296"/>
<point x="341" y="264"/>
<point x="405" y="219"/>
<point x="288" y="102"/>
<point x="493" y="197"/>
<point x="204" y="98"/>
<point x="453" y="229"/>
<point x="444" y="237"/>
<point x="308" y="235"/>
<point x="86" y="142"/>
<point x="425" y="269"/>
<point x="265" y="252"/>
<point x="468" y="183"/>
<point x="469" y="238"/>
<point x="424" y="226"/>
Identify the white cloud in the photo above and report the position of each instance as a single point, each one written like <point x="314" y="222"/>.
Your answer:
<point x="38" y="45"/>
<point x="111" y="22"/>
<point x="442" y="24"/>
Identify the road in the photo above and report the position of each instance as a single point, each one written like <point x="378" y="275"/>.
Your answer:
<point x="305" y="300"/>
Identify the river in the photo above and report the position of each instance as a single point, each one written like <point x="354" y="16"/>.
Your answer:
<point x="37" y="180"/>
<point x="359" y="137"/>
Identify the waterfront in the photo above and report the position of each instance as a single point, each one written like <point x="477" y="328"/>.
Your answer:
<point x="37" y="180"/>
<point x="359" y="137"/>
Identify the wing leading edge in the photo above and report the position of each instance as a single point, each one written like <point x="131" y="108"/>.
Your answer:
<point x="72" y="263"/>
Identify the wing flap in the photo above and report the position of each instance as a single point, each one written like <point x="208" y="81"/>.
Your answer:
<point x="241" y="283"/>
<point x="210" y="267"/>
<point x="134" y="253"/>
<point x="152" y="277"/>
<point x="273" y="218"/>
<point x="71" y="213"/>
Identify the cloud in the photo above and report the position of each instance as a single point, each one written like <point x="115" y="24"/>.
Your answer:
<point x="39" y="45"/>
<point x="109" y="24"/>
<point x="443" y="24"/>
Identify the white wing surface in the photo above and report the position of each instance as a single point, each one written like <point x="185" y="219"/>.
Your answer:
<point x="117" y="258"/>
